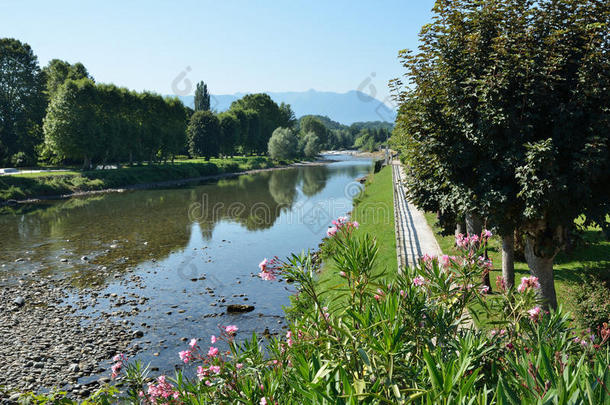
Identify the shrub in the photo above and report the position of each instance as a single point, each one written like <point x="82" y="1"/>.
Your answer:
<point x="283" y="144"/>
<point x="592" y="303"/>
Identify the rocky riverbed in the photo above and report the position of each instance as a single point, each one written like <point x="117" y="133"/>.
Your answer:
<point x="45" y="344"/>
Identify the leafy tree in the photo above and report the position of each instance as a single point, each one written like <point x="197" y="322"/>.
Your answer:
<point x="203" y="134"/>
<point x="269" y="115"/>
<point x="312" y="124"/>
<point x="253" y="135"/>
<point x="58" y="71"/>
<point x="22" y="102"/>
<point x="202" y="97"/>
<point x="506" y="120"/>
<point x="287" y="118"/>
<point x="229" y="132"/>
<point x="283" y="144"/>
<point x="71" y="127"/>
<point x="312" y="145"/>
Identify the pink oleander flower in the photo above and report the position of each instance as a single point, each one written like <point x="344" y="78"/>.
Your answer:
<point x="500" y="283"/>
<point x="534" y="313"/>
<point x="231" y="329"/>
<point x="267" y="276"/>
<point x="484" y="289"/>
<point x="185" y="355"/>
<point x="193" y="343"/>
<point x="445" y="261"/>
<point x="461" y="240"/>
<point x="487" y="234"/>
<point x="419" y="281"/>
<point x="355" y="224"/>
<point x="162" y="389"/>
<point x="473" y="239"/>
<point x="213" y="339"/>
<point x="262" y="265"/>
<point x="377" y="297"/>
<point x="289" y="338"/>
<point x="119" y="357"/>
<point x="342" y="274"/>
<point x="332" y="231"/>
<point x="427" y="258"/>
<point x="201" y="373"/>
<point x="528" y="282"/>
<point x="116" y="369"/>
<point x="213" y="352"/>
<point x="239" y="366"/>
<point x="263" y="401"/>
<point x="215" y="369"/>
<point x="402" y="293"/>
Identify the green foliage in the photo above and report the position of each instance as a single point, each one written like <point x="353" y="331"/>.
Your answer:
<point x="103" y="123"/>
<point x="270" y="117"/>
<point x="592" y="303"/>
<point x="202" y="97"/>
<point x="57" y="72"/>
<point x="203" y="134"/>
<point x="311" y="124"/>
<point x="229" y="132"/>
<point x="283" y="144"/>
<point x="504" y="118"/>
<point x="311" y="144"/>
<point x="22" y="101"/>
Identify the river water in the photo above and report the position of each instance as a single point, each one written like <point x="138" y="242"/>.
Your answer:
<point x="180" y="256"/>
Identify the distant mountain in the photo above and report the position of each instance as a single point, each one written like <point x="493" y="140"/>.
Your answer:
<point x="346" y="108"/>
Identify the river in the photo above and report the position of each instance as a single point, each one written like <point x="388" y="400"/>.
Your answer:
<point x="180" y="256"/>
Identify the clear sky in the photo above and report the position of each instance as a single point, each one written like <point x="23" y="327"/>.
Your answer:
<point x="234" y="46"/>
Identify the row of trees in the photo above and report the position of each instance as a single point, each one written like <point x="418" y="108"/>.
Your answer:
<point x="506" y="121"/>
<point x="244" y="129"/>
<point x="100" y="123"/>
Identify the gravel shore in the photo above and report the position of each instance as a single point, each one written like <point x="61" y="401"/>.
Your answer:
<point x="44" y="344"/>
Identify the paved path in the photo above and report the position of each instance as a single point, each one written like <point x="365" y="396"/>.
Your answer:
<point x="414" y="238"/>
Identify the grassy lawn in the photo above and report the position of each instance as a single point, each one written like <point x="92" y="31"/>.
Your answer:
<point x="29" y="185"/>
<point x="374" y="211"/>
<point x="592" y="255"/>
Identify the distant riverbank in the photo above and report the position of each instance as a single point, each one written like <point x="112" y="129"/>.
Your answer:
<point x="34" y="187"/>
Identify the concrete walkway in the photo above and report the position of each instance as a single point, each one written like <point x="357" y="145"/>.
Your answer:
<point x="414" y="237"/>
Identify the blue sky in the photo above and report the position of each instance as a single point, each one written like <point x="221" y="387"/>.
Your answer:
<point x="235" y="46"/>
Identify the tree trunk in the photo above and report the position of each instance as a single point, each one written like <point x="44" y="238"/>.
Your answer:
<point x="460" y="228"/>
<point x="474" y="224"/>
<point x="541" y="267"/>
<point x="508" y="259"/>
<point x="130" y="158"/>
<point x="86" y="163"/>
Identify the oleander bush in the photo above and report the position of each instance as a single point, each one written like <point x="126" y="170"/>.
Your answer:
<point x="405" y="341"/>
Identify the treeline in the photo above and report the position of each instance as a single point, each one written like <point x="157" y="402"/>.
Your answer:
<point x="367" y="136"/>
<point x="101" y="123"/>
<point x="60" y="115"/>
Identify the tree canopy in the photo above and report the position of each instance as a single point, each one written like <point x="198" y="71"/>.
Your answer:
<point x="22" y="102"/>
<point x="506" y="115"/>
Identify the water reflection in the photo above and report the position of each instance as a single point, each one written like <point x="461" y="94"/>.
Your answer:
<point x="119" y="231"/>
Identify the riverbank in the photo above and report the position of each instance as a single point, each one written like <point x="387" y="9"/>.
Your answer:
<point x="44" y="344"/>
<point x="374" y="212"/>
<point x="34" y="187"/>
